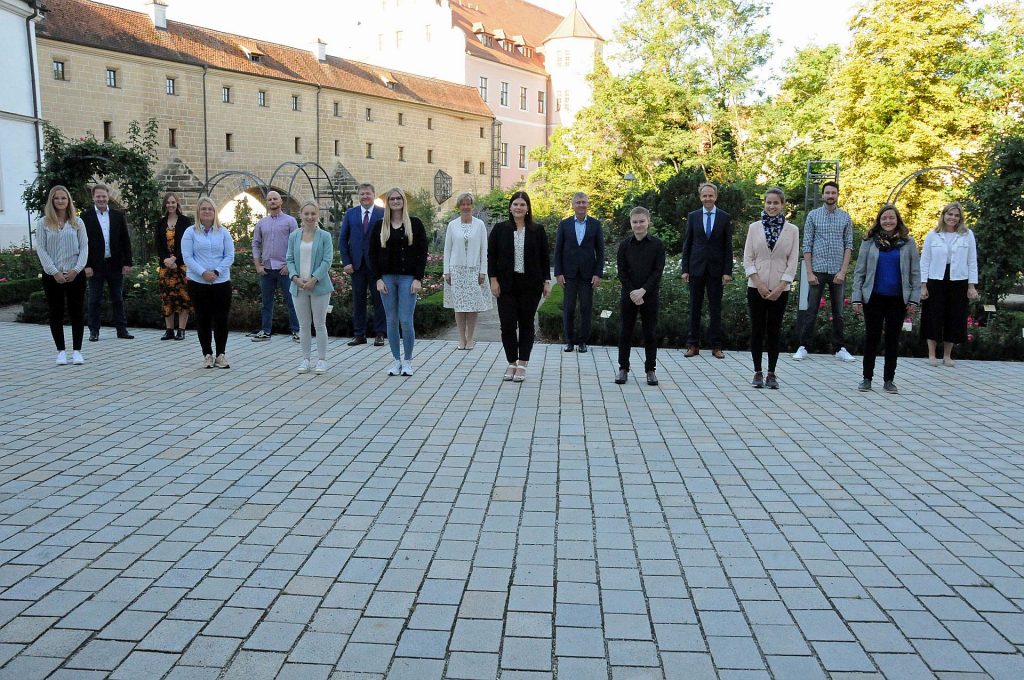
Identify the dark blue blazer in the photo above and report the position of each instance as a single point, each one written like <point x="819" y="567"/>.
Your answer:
<point x="355" y="250"/>
<point x="579" y="261"/>
<point x="703" y="256"/>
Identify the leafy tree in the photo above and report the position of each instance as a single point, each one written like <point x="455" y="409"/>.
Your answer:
<point x="997" y="205"/>
<point x="243" y="223"/>
<point x="77" y="164"/>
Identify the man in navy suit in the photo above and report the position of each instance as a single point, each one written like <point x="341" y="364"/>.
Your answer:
<point x="579" y="265"/>
<point x="110" y="260"/>
<point x="707" y="267"/>
<point x="354" y="244"/>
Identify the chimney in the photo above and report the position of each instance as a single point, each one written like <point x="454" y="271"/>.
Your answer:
<point x="320" y="50"/>
<point x="158" y="13"/>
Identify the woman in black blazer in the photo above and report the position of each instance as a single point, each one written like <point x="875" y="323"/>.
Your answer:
<point x="174" y="297"/>
<point x="520" y="269"/>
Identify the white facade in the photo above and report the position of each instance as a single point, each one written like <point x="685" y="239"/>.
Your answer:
<point x="19" y="136"/>
<point x="569" y="61"/>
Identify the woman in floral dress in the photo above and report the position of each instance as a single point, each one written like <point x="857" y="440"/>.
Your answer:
<point x="173" y="288"/>
<point x="465" y="270"/>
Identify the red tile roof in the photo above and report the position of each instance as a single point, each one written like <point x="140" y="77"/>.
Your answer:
<point x="514" y="17"/>
<point x="83" y="22"/>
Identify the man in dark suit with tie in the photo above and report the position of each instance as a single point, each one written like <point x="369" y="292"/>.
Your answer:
<point x="707" y="267"/>
<point x="110" y="260"/>
<point x="579" y="266"/>
<point x="354" y="244"/>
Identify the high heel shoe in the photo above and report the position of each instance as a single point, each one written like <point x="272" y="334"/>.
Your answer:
<point x="510" y="373"/>
<point x="519" y="377"/>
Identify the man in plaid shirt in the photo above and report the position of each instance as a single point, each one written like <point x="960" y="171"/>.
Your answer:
<point x="828" y="246"/>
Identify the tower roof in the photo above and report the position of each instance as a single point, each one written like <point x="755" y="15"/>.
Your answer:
<point x="575" y="25"/>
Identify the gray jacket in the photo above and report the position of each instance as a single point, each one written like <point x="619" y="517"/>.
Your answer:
<point x="867" y="264"/>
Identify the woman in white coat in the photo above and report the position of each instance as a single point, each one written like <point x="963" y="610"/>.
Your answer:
<point x="465" y="270"/>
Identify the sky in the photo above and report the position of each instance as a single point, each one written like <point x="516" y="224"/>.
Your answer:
<point x="794" y="23"/>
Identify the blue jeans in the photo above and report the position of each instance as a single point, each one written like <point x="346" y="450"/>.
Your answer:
<point x="269" y="283"/>
<point x="399" y="305"/>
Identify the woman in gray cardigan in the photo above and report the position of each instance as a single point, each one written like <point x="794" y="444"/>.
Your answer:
<point x="885" y="290"/>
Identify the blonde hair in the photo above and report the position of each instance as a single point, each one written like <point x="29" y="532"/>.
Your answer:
<point x="640" y="210"/>
<point x="464" y="196"/>
<point x="385" y="227"/>
<point x="315" y="205"/>
<point x="961" y="228"/>
<point x="199" y="204"/>
<point x="50" y="213"/>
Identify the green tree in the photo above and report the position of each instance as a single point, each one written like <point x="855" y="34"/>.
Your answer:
<point x="996" y="205"/>
<point x="242" y="223"/>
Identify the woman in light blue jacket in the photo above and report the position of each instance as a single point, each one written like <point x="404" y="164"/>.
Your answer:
<point x="310" y="252"/>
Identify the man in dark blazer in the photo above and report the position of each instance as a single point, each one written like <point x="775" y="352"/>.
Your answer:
<point x="579" y="266"/>
<point x="354" y="244"/>
<point x="110" y="260"/>
<point x="707" y="267"/>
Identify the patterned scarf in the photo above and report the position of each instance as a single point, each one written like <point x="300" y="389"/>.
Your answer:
<point x="886" y="241"/>
<point x="772" y="228"/>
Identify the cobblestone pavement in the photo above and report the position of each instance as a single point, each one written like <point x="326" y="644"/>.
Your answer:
<point x="158" y="520"/>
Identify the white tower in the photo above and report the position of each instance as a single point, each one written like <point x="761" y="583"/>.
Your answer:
<point x="569" y="54"/>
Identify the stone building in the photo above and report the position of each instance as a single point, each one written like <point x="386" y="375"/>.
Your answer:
<point x="226" y="102"/>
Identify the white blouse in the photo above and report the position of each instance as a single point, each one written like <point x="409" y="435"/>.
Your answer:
<point x="519" y="246"/>
<point x="64" y="249"/>
<point x="305" y="259"/>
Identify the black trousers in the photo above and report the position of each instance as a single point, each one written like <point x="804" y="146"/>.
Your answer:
<point x="944" y="313"/>
<point x="73" y="296"/>
<point x="880" y="311"/>
<point x="712" y="286"/>
<point x="212" y="303"/>
<point x="517" y="309"/>
<point x="582" y="290"/>
<point x="114" y="278"/>
<point x="765" y="326"/>
<point x="648" y="313"/>
<point x="809" y="318"/>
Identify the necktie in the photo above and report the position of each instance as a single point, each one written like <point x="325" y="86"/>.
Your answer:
<point x="707" y="224"/>
<point x="366" y="221"/>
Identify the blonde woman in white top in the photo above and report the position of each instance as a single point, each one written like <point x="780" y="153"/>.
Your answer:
<point x="63" y="249"/>
<point x="949" y="273"/>
<point x="465" y="270"/>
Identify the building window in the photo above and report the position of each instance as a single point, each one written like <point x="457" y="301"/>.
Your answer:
<point x="369" y="113"/>
<point x="522" y="156"/>
<point x="483" y="88"/>
<point x="430" y="155"/>
<point x="483" y="168"/>
<point x="369" y="150"/>
<point x="401" y="153"/>
<point x="481" y="133"/>
<point x="523" y="104"/>
<point x="107" y="130"/>
<point x="401" y="119"/>
<point x="504" y="93"/>
<point x="430" y="123"/>
<point x="465" y="167"/>
<point x="169" y="86"/>
<point x="504" y="154"/>
<point x="261" y="98"/>
<point x="541" y="102"/>
<point x="398" y="40"/>
<point x="225" y="94"/>
<point x="111" y="77"/>
<point x="298" y="145"/>
<point x="295" y="102"/>
<point x="337" y="147"/>
<point x="58" y="70"/>
<point x="229" y="142"/>
<point x="172" y="138"/>
<point x="337" y="109"/>
<point x="561" y="100"/>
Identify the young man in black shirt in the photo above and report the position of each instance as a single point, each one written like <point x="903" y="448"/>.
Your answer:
<point x="641" y="260"/>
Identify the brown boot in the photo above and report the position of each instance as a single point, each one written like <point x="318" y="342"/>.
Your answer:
<point x="692" y="352"/>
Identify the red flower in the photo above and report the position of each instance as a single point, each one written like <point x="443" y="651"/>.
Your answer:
<point x="970" y="337"/>
<point x="821" y="303"/>
<point x="846" y="301"/>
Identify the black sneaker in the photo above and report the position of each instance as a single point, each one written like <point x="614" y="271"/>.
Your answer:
<point x="865" y="385"/>
<point x="890" y="387"/>
<point x="620" y="379"/>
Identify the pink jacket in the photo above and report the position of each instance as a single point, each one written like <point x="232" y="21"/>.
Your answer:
<point x="771" y="265"/>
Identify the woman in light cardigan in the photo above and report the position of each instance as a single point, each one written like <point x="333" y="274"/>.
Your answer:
<point x="310" y="252"/>
<point x="770" y="258"/>
<point x="949" y="274"/>
<point x="885" y="290"/>
<point x="465" y="270"/>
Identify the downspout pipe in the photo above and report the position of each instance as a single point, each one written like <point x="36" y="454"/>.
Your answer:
<point x="36" y="113"/>
<point x="206" y="131"/>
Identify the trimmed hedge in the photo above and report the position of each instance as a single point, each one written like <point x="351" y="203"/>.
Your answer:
<point x="997" y="338"/>
<point x="16" y="292"/>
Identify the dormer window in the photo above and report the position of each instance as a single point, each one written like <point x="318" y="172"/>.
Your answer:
<point x="252" y="54"/>
<point x="389" y="80"/>
<point x="481" y="34"/>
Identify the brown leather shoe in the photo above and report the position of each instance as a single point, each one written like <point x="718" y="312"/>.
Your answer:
<point x="357" y="340"/>
<point x="718" y="353"/>
<point x="692" y="352"/>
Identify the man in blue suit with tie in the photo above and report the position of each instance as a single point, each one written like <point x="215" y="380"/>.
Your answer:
<point x="707" y="267"/>
<point x="354" y="244"/>
<point x="579" y="266"/>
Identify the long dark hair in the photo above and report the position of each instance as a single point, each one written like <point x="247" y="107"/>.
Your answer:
<point x="528" y="218"/>
<point x="876" y="229"/>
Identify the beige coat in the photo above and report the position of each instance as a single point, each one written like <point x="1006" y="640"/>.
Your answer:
<point x="771" y="265"/>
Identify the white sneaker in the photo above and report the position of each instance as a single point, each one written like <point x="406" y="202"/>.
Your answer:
<point x="76" y="358"/>
<point x="407" y="368"/>
<point x="304" y="366"/>
<point x="800" y="354"/>
<point x="321" y="367"/>
<point x="843" y="355"/>
<point x="62" y="358"/>
<point x="396" y="368"/>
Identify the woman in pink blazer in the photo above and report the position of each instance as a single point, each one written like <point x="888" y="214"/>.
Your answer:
<point x="770" y="258"/>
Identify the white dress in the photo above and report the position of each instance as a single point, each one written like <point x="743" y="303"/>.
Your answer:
<point x="465" y="258"/>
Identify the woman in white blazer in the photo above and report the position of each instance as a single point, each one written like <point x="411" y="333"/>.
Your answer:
<point x="465" y="270"/>
<point x="310" y="252"/>
<point x="949" y="274"/>
<point x="770" y="258"/>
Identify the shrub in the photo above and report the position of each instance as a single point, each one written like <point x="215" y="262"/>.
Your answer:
<point x="18" y="291"/>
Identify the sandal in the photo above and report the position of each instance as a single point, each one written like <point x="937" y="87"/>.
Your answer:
<point x="510" y="373"/>
<point x="520" y="377"/>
